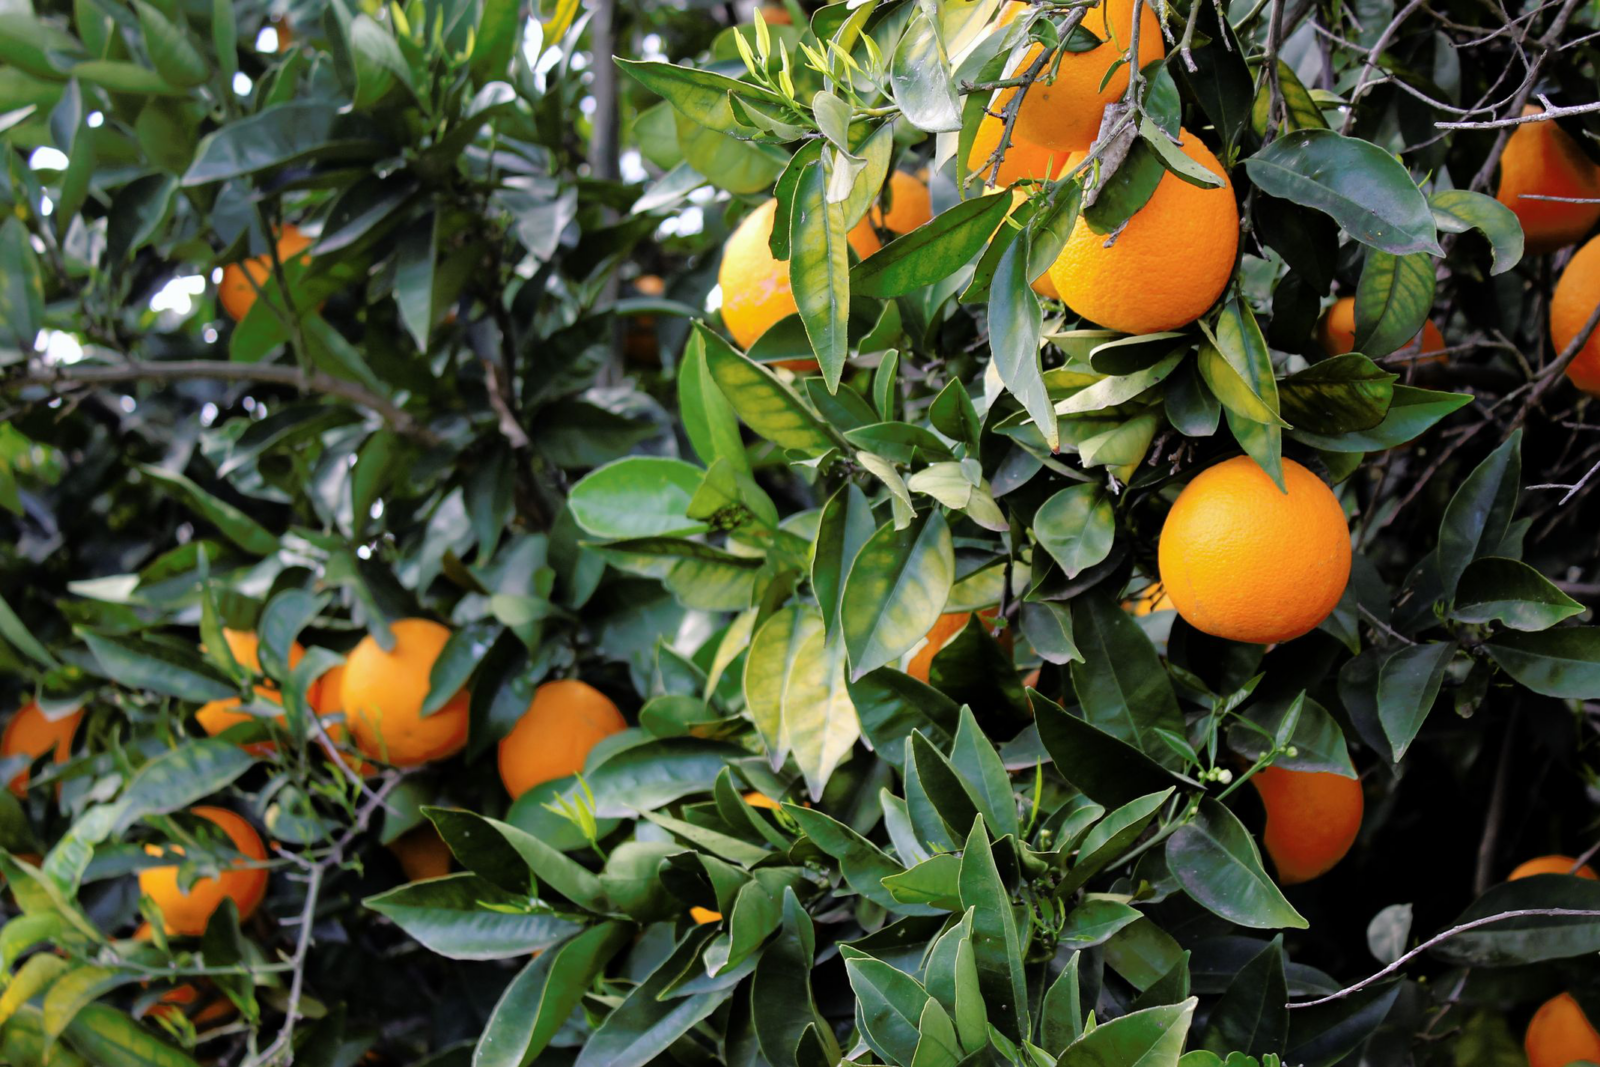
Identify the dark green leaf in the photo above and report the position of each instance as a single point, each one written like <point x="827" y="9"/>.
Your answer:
<point x="895" y="591"/>
<point x="1508" y="591"/>
<point x="1393" y="299"/>
<point x="1337" y="395"/>
<point x="1216" y="861"/>
<point x="1408" y="685"/>
<point x="1563" y="663"/>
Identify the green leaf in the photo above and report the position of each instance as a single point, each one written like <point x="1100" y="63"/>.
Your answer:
<point x="846" y="524"/>
<point x="542" y="995"/>
<point x="158" y="668"/>
<point x="1302" y="112"/>
<point x="1216" y="861"/>
<point x="171" y="52"/>
<point x="1562" y="663"/>
<point x="1124" y="191"/>
<point x="645" y="1025"/>
<point x="938" y="1045"/>
<point x="21" y="286"/>
<point x="1252" y="1015"/>
<point x="1324" y="1035"/>
<point x="890" y="704"/>
<point x="234" y="524"/>
<point x="173" y="781"/>
<point x="1149" y="1038"/>
<point x="1365" y="189"/>
<point x="920" y="77"/>
<point x="1015" y="327"/>
<point x="121" y="77"/>
<point x="699" y="94"/>
<point x="19" y="636"/>
<point x="1528" y="938"/>
<point x="1121" y="684"/>
<point x="995" y="942"/>
<point x="895" y="591"/>
<point x="1459" y="210"/>
<point x="863" y="865"/>
<point x="1478" y="515"/>
<point x="976" y="760"/>
<point x="1094" y="921"/>
<point x="1508" y="591"/>
<point x="75" y="990"/>
<point x="1048" y="628"/>
<point x="102" y="1034"/>
<point x="774" y="651"/>
<point x="1105" y="768"/>
<point x="708" y="419"/>
<point x="35" y="976"/>
<point x="1174" y="160"/>
<point x="284" y="134"/>
<point x="1393" y="299"/>
<point x="819" y="720"/>
<point x="1337" y="395"/>
<point x="1408" y="685"/>
<point x="762" y="402"/>
<point x="448" y="916"/>
<point x="1411" y="412"/>
<point x="1109" y="839"/>
<point x="1318" y="741"/>
<point x="782" y="986"/>
<point x="946" y="791"/>
<point x="1077" y="527"/>
<point x="413" y="278"/>
<point x="496" y="39"/>
<point x="1061" y="1015"/>
<point x="637" y="496"/>
<point x="819" y="272"/>
<point x="889" y="1003"/>
<point x="932" y="251"/>
<point x="935" y="882"/>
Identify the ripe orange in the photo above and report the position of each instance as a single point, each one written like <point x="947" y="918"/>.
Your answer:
<point x="1550" y="865"/>
<point x="1245" y="561"/>
<point x="755" y="286"/>
<point x="1560" y="1033"/>
<point x="218" y="715"/>
<point x="30" y="733"/>
<point x="1571" y="304"/>
<point x="701" y="916"/>
<point x="1312" y="820"/>
<point x="175" y="1000"/>
<point x="1065" y="114"/>
<point x="761" y="800"/>
<point x="188" y="913"/>
<point x="1166" y="267"/>
<point x="237" y="293"/>
<point x="1337" y="334"/>
<point x="422" y="853"/>
<point x="910" y="205"/>
<point x="552" y="739"/>
<point x="1022" y="160"/>
<point x="382" y="695"/>
<point x="1541" y="159"/>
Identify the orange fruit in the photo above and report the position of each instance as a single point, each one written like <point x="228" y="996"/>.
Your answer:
<point x="1152" y="600"/>
<point x="30" y="733"/>
<point x="187" y="913"/>
<point x="218" y="715"/>
<point x="755" y="286"/>
<point x="1312" y="820"/>
<point x="1166" y="267"/>
<point x="240" y="281"/>
<point x="422" y="853"/>
<point x="176" y="999"/>
<point x="1337" y="334"/>
<point x="776" y="15"/>
<point x="910" y="205"/>
<point x="1559" y="1033"/>
<point x="382" y="695"/>
<point x="552" y="739"/>
<point x="1550" y="865"/>
<point x="1065" y="113"/>
<point x="1023" y="159"/>
<point x="1541" y="159"/>
<point x="701" y="916"/>
<point x="1243" y="560"/>
<point x="1575" y="296"/>
<point x="761" y="800"/>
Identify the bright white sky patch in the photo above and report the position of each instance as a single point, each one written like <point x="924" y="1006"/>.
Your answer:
<point x="178" y="294"/>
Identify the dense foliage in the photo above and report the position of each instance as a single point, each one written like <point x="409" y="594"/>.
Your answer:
<point x="321" y="317"/>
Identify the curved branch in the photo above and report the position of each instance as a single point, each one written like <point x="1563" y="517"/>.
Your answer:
<point x="1577" y="913"/>
<point x="222" y="370"/>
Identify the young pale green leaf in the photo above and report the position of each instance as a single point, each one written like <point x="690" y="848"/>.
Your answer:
<point x="1365" y="189"/>
<point x="1508" y="591"/>
<point x="1337" y="395"/>
<point x="1393" y="299"/>
<point x="1459" y="210"/>
<point x="102" y="1034"/>
<point x="920" y="78"/>
<point x="1216" y="861"/>
<point x="819" y="271"/>
<point x="932" y="251"/>
<point x="895" y="590"/>
<point x="1562" y="663"/>
<point x="700" y="95"/>
<point x="774" y="652"/>
<point x="1077" y="527"/>
<point x="762" y="402"/>
<point x="1150" y="1038"/>
<point x="819" y="720"/>
<point x="637" y="496"/>
<point x="1015" y="325"/>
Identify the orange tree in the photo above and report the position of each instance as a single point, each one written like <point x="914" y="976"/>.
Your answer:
<point x="631" y="534"/>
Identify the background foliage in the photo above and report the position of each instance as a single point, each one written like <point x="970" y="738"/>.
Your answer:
<point x="497" y="394"/>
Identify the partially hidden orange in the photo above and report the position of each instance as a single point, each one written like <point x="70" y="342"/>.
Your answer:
<point x="1313" y="818"/>
<point x="1337" y="334"/>
<point x="553" y="737"/>
<point x="382" y="693"/>
<point x="242" y="281"/>
<point x="31" y="733"/>
<point x="422" y="853"/>
<point x="187" y="913"/>
<point x="1550" y="865"/>
<point x="1560" y="1034"/>
<point x="1576" y="294"/>
<point x="1542" y="159"/>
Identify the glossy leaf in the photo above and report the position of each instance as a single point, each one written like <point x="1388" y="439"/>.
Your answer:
<point x="1508" y="591"/>
<point x="1015" y="326"/>
<point x="1563" y="662"/>
<point x="1393" y="299"/>
<point x="1121" y="684"/>
<point x="1459" y="210"/>
<point x="1408" y="685"/>
<point x="1217" y="863"/>
<point x="1337" y="395"/>
<point x="1077" y="527"/>
<point x="895" y="591"/>
<point x="448" y="917"/>
<point x="932" y="251"/>
<point x="762" y="402"/>
<point x="1478" y="515"/>
<point x="1151" y="1038"/>
<point x="819" y="271"/>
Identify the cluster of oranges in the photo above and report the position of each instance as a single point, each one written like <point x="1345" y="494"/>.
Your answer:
<point x="377" y="695"/>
